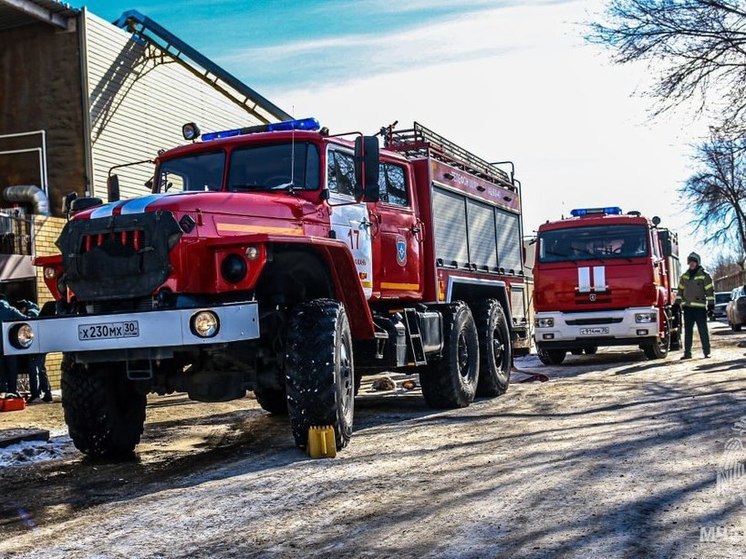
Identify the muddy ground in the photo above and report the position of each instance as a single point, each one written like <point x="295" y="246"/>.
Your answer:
<point x="614" y="456"/>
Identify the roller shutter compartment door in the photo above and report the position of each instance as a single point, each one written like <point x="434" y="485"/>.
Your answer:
<point x="450" y="227"/>
<point x="482" y="236"/>
<point x="509" y="243"/>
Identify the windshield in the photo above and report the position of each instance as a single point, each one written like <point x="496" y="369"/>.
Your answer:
<point x="722" y="298"/>
<point x="599" y="242"/>
<point x="251" y="168"/>
<point x="274" y="167"/>
<point x="199" y="172"/>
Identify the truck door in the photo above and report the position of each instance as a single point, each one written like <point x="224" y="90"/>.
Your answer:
<point x="397" y="236"/>
<point x="350" y="221"/>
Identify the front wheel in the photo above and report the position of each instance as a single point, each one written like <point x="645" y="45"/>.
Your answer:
<point x="103" y="410"/>
<point x="451" y="382"/>
<point x="659" y="348"/>
<point x="320" y="371"/>
<point x="591" y="349"/>
<point x="495" y="357"/>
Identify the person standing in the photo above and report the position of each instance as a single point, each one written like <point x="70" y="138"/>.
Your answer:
<point x="696" y="295"/>
<point x="8" y="363"/>
<point x="38" y="379"/>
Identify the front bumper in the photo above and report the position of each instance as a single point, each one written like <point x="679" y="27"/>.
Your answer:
<point x="614" y="327"/>
<point x="154" y="329"/>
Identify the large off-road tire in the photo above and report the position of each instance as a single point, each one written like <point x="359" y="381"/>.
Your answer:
<point x="319" y="370"/>
<point x="591" y="350"/>
<point x="495" y="357"/>
<point x="103" y="410"/>
<point x="735" y="327"/>
<point x="552" y="356"/>
<point x="659" y="349"/>
<point x="451" y="381"/>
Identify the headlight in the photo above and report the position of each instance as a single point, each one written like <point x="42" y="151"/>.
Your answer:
<point x="544" y="323"/>
<point x="21" y="336"/>
<point x="646" y="317"/>
<point x="205" y="324"/>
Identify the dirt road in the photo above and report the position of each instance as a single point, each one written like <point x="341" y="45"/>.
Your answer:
<point x="615" y="456"/>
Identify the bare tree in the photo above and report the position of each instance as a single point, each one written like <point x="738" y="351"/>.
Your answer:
<point x="715" y="191"/>
<point x="726" y="265"/>
<point x="699" y="47"/>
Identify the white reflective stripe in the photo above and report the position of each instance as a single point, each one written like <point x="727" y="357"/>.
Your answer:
<point x="105" y="211"/>
<point x="584" y="280"/>
<point x="599" y="278"/>
<point x="138" y="205"/>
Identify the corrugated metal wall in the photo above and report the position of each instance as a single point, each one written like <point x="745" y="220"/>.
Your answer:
<point x="138" y="103"/>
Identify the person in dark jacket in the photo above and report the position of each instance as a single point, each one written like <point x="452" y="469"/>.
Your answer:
<point x="696" y="295"/>
<point x="9" y="364"/>
<point x="38" y="379"/>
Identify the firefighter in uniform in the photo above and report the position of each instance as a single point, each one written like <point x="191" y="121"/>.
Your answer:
<point x="697" y="296"/>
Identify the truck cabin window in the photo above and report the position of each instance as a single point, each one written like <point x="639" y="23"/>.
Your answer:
<point x="274" y="167"/>
<point x="340" y="172"/>
<point x="600" y="242"/>
<point x="392" y="184"/>
<point x="199" y="172"/>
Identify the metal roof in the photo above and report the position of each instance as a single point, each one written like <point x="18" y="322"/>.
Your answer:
<point x="16" y="13"/>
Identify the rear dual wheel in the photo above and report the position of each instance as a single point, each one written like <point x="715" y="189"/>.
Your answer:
<point x="451" y="382"/>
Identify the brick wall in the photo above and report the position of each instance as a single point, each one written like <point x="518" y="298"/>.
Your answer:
<point x="46" y="232"/>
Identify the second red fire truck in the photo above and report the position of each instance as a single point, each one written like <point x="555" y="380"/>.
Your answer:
<point x="604" y="278"/>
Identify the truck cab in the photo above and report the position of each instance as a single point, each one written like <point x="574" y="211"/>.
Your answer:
<point x="603" y="278"/>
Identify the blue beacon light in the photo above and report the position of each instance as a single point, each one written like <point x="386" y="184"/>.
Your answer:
<point x="300" y="124"/>
<point x="580" y="212"/>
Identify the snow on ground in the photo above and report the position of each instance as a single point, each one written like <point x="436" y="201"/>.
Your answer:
<point x="33" y="452"/>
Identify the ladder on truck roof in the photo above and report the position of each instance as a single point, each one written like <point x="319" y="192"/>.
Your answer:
<point x="234" y="89"/>
<point x="419" y="142"/>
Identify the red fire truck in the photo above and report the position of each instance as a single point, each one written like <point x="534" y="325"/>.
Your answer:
<point x="605" y="279"/>
<point x="288" y="261"/>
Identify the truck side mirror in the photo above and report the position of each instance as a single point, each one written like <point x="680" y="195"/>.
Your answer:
<point x="367" y="157"/>
<point x="112" y="188"/>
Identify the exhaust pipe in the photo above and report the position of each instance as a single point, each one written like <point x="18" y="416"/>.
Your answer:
<point x="28" y="194"/>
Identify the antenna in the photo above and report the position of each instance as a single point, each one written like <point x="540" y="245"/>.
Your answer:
<point x="289" y="185"/>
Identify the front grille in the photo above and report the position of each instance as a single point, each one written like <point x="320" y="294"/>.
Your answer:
<point x="132" y="240"/>
<point x="120" y="257"/>
<point x="592" y="321"/>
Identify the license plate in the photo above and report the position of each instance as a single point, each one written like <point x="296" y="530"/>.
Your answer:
<point x="594" y="331"/>
<point x="109" y="330"/>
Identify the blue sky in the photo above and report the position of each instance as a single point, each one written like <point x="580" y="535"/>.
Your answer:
<point x="506" y="79"/>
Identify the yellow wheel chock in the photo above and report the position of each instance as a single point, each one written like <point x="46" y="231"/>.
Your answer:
<point x="321" y="443"/>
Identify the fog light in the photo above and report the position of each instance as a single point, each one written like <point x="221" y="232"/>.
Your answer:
<point x="233" y="268"/>
<point x="642" y="332"/>
<point x="22" y="336"/>
<point x="548" y="336"/>
<point x="544" y="323"/>
<point x="252" y="253"/>
<point x="50" y="272"/>
<point x="205" y="324"/>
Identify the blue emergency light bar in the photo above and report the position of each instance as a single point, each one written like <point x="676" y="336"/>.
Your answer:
<point x="301" y="124"/>
<point x="589" y="211"/>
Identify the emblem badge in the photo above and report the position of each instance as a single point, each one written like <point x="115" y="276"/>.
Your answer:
<point x="592" y="297"/>
<point x="401" y="251"/>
